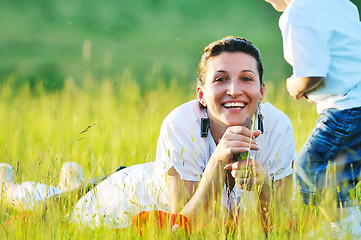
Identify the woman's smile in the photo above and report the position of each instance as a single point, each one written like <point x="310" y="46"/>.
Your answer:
<point x="234" y="105"/>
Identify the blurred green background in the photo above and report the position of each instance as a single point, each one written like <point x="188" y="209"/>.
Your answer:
<point x="49" y="41"/>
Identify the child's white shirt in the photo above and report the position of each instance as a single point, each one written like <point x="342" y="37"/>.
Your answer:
<point x="322" y="38"/>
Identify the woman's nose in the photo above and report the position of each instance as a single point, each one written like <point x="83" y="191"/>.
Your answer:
<point x="234" y="88"/>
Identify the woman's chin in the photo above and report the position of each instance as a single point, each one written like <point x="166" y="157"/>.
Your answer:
<point x="235" y="123"/>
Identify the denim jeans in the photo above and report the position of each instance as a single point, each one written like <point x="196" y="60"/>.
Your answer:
<point x="331" y="156"/>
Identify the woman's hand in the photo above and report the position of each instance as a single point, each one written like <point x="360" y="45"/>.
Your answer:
<point x="248" y="174"/>
<point x="236" y="140"/>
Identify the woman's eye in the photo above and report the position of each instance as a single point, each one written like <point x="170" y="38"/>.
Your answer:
<point x="247" y="79"/>
<point x="220" y="79"/>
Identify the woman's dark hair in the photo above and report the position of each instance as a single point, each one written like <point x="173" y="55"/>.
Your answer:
<point x="228" y="44"/>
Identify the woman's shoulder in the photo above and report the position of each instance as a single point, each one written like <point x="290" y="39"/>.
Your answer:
<point x="268" y="109"/>
<point x="274" y="119"/>
<point x="187" y="113"/>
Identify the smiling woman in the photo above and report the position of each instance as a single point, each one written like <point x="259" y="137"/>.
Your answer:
<point x="195" y="172"/>
<point x="230" y="83"/>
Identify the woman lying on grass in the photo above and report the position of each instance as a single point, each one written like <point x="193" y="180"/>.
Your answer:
<point x="199" y="171"/>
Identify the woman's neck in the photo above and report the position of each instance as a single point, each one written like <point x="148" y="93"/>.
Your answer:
<point x="217" y="130"/>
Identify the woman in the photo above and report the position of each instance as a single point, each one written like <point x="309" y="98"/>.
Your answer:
<point x="196" y="161"/>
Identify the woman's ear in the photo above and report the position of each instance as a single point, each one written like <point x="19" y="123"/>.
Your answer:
<point x="200" y="96"/>
<point x="262" y="91"/>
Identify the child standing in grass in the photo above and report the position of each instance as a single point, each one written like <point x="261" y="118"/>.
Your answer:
<point x="322" y="42"/>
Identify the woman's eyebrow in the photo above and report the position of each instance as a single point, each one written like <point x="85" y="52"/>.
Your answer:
<point x="249" y="71"/>
<point x="224" y="71"/>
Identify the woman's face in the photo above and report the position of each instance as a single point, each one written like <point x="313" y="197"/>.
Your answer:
<point x="232" y="89"/>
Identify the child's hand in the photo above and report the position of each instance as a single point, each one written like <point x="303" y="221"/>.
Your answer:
<point x="298" y="87"/>
<point x="294" y="87"/>
<point x="309" y="100"/>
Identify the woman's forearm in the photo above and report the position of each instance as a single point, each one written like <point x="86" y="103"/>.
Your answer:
<point x="209" y="190"/>
<point x="265" y="196"/>
<point x="283" y="192"/>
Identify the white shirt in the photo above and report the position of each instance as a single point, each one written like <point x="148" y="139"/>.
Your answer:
<point x="322" y="38"/>
<point x="181" y="146"/>
<point x="143" y="187"/>
<point x="28" y="193"/>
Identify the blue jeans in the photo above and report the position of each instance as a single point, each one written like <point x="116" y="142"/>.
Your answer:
<point x="331" y="156"/>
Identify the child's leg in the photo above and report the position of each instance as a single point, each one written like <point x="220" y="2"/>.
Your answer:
<point x="331" y="156"/>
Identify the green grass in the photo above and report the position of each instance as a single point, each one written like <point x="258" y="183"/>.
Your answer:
<point x="142" y="64"/>
<point x="40" y="131"/>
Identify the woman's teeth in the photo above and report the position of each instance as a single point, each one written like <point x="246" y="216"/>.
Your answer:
<point x="234" y="105"/>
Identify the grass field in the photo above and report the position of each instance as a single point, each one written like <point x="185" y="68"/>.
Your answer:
<point x="117" y="68"/>
<point x="41" y="131"/>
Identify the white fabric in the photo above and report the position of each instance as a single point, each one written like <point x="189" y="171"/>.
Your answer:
<point x="6" y="173"/>
<point x="143" y="187"/>
<point x="28" y="193"/>
<point x="119" y="197"/>
<point x="71" y="176"/>
<point x="181" y="146"/>
<point x="322" y="38"/>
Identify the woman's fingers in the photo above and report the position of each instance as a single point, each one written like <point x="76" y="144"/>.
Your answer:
<point x="244" y="165"/>
<point x="244" y="132"/>
<point x="242" y="173"/>
<point x="256" y="133"/>
<point x="236" y="140"/>
<point x="244" y="183"/>
<point x="240" y="130"/>
<point x="247" y="174"/>
<point x="239" y="165"/>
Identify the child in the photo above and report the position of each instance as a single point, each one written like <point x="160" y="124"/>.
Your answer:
<point x="322" y="42"/>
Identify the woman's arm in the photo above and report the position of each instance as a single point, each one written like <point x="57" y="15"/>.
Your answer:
<point x="283" y="194"/>
<point x="194" y="199"/>
<point x="180" y="191"/>
<point x="209" y="191"/>
<point x="250" y="176"/>
<point x="284" y="188"/>
<point x="281" y="190"/>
